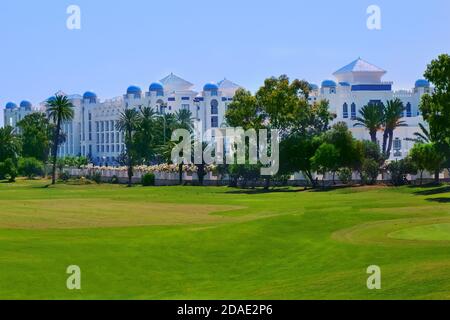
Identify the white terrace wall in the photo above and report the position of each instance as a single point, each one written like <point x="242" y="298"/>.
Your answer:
<point x="172" y="178"/>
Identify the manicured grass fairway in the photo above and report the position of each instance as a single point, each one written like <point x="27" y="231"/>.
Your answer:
<point x="221" y="243"/>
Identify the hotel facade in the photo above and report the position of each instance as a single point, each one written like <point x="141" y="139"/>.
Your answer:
<point x="92" y="132"/>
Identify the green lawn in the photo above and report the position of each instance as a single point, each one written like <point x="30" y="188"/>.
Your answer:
<point x="221" y="243"/>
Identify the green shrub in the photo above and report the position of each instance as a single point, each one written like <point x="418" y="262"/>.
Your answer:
<point x="400" y="169"/>
<point x="148" y="180"/>
<point x="30" y="167"/>
<point x="114" y="180"/>
<point x="345" y="175"/>
<point x="97" y="177"/>
<point x="64" y="176"/>
<point x="8" y="170"/>
<point x="370" y="171"/>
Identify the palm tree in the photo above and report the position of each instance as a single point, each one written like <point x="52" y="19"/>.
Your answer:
<point x="145" y="134"/>
<point x="422" y="137"/>
<point x="183" y="120"/>
<point x="128" y="124"/>
<point x="371" y="119"/>
<point x="430" y="136"/>
<point x="59" y="110"/>
<point x="393" y="113"/>
<point x="9" y="144"/>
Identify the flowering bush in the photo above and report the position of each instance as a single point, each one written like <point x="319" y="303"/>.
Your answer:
<point x="161" y="168"/>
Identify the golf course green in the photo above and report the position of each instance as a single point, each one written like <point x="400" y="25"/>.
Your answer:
<point x="223" y="243"/>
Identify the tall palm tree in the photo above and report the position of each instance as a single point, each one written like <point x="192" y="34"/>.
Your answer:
<point x="183" y="120"/>
<point x="145" y="134"/>
<point x="59" y="110"/>
<point x="393" y="113"/>
<point x="371" y="118"/>
<point x="9" y="144"/>
<point x="128" y="123"/>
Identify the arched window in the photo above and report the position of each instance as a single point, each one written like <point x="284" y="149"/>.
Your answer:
<point x="353" y="111"/>
<point x="345" y="110"/>
<point x="408" y="110"/>
<point x="214" y="107"/>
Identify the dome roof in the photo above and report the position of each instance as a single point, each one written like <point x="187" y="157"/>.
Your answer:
<point x="328" y="84"/>
<point x="89" y="95"/>
<point x="134" y="90"/>
<point x="52" y="98"/>
<point x="313" y="86"/>
<point x="11" y="105"/>
<point x="156" y="86"/>
<point x="210" y="87"/>
<point x="422" y="83"/>
<point x="344" y="84"/>
<point x="25" y="104"/>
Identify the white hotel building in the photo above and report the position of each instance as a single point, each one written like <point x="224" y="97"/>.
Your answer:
<point x="93" y="131"/>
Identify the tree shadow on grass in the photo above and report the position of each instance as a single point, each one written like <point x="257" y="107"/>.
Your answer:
<point x="439" y="200"/>
<point x="333" y="188"/>
<point x="263" y="191"/>
<point x="290" y="189"/>
<point x="432" y="189"/>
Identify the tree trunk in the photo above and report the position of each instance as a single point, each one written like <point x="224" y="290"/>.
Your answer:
<point x="233" y="182"/>
<point x="266" y="183"/>
<point x="130" y="174"/>
<point x="385" y="140"/>
<point x="437" y="179"/>
<point x="421" y="177"/>
<point x="391" y="141"/>
<point x="180" y="174"/>
<point x="55" y="150"/>
<point x="130" y="159"/>
<point x="373" y="136"/>
<point x="309" y="176"/>
<point x="201" y="174"/>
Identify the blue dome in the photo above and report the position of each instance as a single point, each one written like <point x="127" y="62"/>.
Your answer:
<point x="344" y="84"/>
<point x="210" y="87"/>
<point x="25" y="104"/>
<point x="89" y="95"/>
<point x="134" y="90"/>
<point x="422" y="83"/>
<point x="313" y="86"/>
<point x="328" y="84"/>
<point x="156" y="87"/>
<point x="11" y="105"/>
<point x="51" y="99"/>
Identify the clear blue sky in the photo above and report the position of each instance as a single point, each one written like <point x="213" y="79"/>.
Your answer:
<point x="140" y="41"/>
